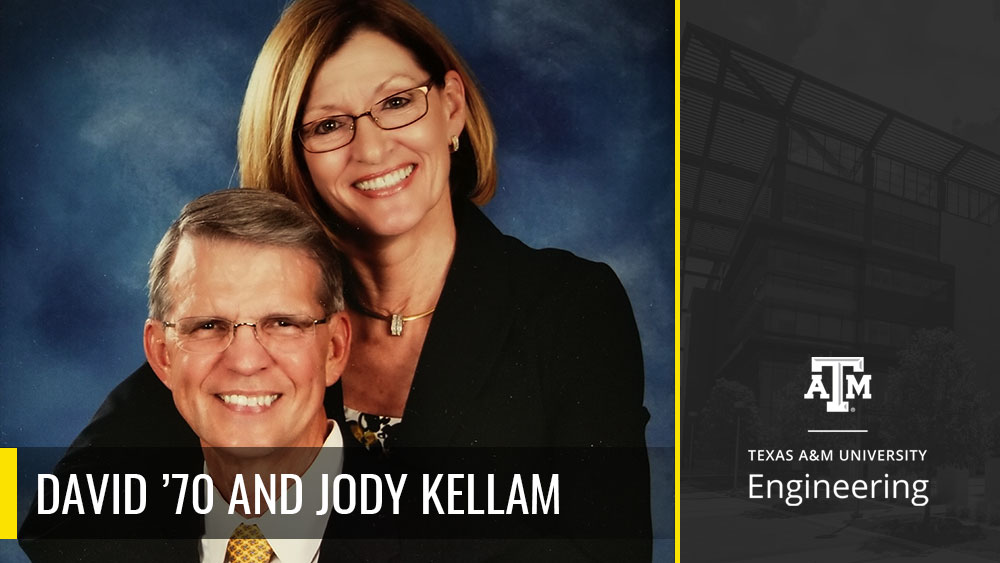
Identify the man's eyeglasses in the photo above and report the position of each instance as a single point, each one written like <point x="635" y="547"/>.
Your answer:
<point x="211" y="335"/>
<point x="393" y="112"/>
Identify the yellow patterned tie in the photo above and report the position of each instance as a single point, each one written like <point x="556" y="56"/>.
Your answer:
<point x="247" y="545"/>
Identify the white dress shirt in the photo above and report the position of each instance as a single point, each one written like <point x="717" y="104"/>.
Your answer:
<point x="219" y="524"/>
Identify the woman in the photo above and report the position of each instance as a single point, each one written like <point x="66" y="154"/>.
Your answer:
<point x="364" y="114"/>
<point x="506" y="320"/>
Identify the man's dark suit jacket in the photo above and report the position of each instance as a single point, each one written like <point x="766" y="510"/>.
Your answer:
<point x="527" y="348"/>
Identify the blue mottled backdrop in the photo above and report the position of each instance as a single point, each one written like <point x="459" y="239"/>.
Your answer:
<point x="116" y="113"/>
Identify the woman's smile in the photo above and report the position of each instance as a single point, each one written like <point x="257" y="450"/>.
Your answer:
<point x="385" y="184"/>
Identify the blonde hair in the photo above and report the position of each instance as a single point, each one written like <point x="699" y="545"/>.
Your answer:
<point x="309" y="32"/>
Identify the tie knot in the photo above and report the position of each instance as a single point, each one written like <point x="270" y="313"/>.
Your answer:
<point x="247" y="545"/>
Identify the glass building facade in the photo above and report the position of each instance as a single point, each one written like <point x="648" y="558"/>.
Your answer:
<point x="815" y="222"/>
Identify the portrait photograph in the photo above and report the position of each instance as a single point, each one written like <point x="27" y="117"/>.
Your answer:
<point x="117" y="114"/>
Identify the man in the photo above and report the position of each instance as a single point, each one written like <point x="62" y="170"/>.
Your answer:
<point x="246" y="329"/>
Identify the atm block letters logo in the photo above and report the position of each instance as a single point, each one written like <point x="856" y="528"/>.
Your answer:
<point x="844" y="385"/>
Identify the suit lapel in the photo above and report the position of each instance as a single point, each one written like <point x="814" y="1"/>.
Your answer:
<point x="466" y="334"/>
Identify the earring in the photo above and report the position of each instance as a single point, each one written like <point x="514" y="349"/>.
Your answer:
<point x="454" y="143"/>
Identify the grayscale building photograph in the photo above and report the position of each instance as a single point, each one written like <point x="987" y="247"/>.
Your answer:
<point x="818" y="222"/>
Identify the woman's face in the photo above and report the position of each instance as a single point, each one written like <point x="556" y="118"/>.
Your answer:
<point x="384" y="183"/>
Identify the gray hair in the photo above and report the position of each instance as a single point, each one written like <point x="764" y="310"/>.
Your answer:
<point x="252" y="216"/>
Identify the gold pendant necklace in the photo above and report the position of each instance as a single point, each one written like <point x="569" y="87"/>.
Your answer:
<point x="395" y="320"/>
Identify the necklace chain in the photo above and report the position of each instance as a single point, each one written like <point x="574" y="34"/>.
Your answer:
<point x="395" y="320"/>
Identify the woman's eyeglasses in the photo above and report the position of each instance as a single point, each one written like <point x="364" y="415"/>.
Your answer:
<point x="393" y="112"/>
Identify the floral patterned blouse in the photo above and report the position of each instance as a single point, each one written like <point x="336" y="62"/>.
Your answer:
<point x="372" y="430"/>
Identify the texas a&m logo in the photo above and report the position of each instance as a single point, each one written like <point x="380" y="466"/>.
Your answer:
<point x="843" y="385"/>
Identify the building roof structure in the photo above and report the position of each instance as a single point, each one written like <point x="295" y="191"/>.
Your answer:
<point x="734" y="103"/>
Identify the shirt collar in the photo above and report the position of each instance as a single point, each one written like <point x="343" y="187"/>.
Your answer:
<point x="219" y="524"/>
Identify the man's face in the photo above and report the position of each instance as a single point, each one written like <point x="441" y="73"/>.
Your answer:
<point x="248" y="395"/>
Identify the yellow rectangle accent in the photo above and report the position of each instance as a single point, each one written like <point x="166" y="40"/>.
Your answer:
<point x="8" y="493"/>
<point x="677" y="280"/>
